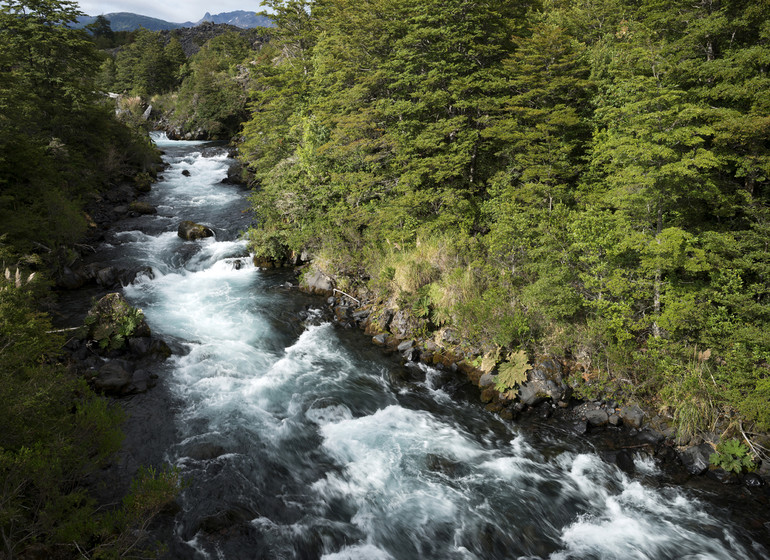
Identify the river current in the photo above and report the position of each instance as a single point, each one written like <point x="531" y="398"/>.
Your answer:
<point x="300" y="439"/>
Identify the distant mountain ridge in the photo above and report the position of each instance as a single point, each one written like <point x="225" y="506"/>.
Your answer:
<point x="127" y="21"/>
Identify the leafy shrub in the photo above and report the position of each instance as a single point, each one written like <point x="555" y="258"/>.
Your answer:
<point x="512" y="373"/>
<point x="732" y="456"/>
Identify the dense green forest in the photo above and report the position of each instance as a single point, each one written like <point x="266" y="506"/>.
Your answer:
<point x="60" y="147"/>
<point x="586" y="179"/>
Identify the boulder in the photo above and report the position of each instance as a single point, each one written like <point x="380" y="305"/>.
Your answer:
<point x="544" y="381"/>
<point x="112" y="378"/>
<point x="632" y="416"/>
<point x="597" y="417"/>
<point x="316" y="282"/>
<point x="70" y="279"/>
<point x="402" y="323"/>
<point x="696" y="459"/>
<point x="144" y="208"/>
<point x="380" y="339"/>
<point x="186" y="172"/>
<point x="191" y="231"/>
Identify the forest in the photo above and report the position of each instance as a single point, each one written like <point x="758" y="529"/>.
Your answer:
<point x="584" y="179"/>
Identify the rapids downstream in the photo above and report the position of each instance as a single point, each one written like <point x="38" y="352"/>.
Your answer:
<point x="300" y="439"/>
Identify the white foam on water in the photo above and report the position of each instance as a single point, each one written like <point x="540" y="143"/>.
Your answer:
<point x="360" y="552"/>
<point x="162" y="140"/>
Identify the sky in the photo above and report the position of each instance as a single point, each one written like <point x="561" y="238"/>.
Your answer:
<point x="177" y="11"/>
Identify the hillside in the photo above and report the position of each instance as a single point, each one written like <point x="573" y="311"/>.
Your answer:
<point x="126" y="21"/>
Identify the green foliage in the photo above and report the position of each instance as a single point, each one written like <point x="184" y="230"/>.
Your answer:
<point x="111" y="321"/>
<point x="512" y="373"/>
<point x="732" y="456"/>
<point x="587" y="179"/>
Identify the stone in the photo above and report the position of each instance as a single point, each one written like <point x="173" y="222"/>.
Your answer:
<point x="380" y="339"/>
<point x="316" y="282"/>
<point x="406" y="345"/>
<point x="632" y="416"/>
<point x="191" y="231"/>
<point x="531" y="394"/>
<point x="144" y="208"/>
<point x="625" y="462"/>
<point x="108" y="277"/>
<point x="753" y="480"/>
<point x="112" y="378"/>
<point x="596" y="418"/>
<point x="723" y="476"/>
<point x="614" y="420"/>
<point x="140" y="346"/>
<point x="69" y="279"/>
<point x="696" y="459"/>
<point x="486" y="380"/>
<point x="401" y="325"/>
<point x="186" y="172"/>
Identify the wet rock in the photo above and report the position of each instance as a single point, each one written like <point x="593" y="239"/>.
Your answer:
<point x="596" y="418"/>
<point x="650" y="436"/>
<point x="753" y="480"/>
<point x="380" y="339"/>
<point x="205" y="451"/>
<point x="579" y="427"/>
<point x="108" y="277"/>
<point x="112" y="378"/>
<point x="235" y="175"/>
<point x="696" y="459"/>
<point x="121" y="209"/>
<point x="439" y="464"/>
<point x="723" y="476"/>
<point x="140" y="346"/>
<point x="632" y="416"/>
<point x="190" y="231"/>
<point x="144" y="208"/>
<point x="224" y="520"/>
<point x="625" y="462"/>
<point x="70" y="279"/>
<point x="186" y="172"/>
<point x="532" y="394"/>
<point x="614" y="420"/>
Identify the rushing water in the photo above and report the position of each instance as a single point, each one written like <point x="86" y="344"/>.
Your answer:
<point x="299" y="439"/>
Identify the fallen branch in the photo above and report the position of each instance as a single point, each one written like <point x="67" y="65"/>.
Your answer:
<point x="63" y="330"/>
<point x="348" y="295"/>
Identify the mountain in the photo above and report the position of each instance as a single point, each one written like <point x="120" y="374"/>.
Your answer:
<point x="239" y="18"/>
<point x="126" y="21"/>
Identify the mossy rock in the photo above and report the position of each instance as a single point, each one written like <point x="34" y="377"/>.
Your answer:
<point x="142" y="207"/>
<point x="191" y="231"/>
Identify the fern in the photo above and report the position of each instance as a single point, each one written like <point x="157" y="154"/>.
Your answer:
<point x="512" y="373"/>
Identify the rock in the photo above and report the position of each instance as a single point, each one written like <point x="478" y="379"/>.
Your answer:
<point x="544" y="381"/>
<point x="580" y="427"/>
<point x="112" y="318"/>
<point x="361" y="314"/>
<point x="632" y="416"/>
<point x="402" y="323"/>
<point x="316" y="282"/>
<point x="144" y="208"/>
<point x="140" y="346"/>
<point x="121" y="209"/>
<point x="235" y="177"/>
<point x="596" y="418"/>
<point x="107" y="277"/>
<point x="753" y="480"/>
<point x="614" y="420"/>
<point x="69" y="279"/>
<point x="112" y="378"/>
<point x="486" y="380"/>
<point x="696" y="459"/>
<point x="186" y="172"/>
<point x="650" y="436"/>
<point x="224" y="520"/>
<point x="625" y="462"/>
<point x="380" y="339"/>
<point x="406" y="345"/>
<point x="723" y="476"/>
<point x="191" y="231"/>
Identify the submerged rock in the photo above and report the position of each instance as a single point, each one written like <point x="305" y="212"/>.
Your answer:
<point x="191" y="231"/>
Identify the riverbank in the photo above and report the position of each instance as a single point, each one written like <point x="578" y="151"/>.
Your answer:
<point x="554" y="387"/>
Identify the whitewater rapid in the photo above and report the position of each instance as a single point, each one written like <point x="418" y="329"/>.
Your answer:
<point x="300" y="439"/>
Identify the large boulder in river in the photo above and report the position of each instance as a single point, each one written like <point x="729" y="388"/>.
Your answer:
<point x="191" y="231"/>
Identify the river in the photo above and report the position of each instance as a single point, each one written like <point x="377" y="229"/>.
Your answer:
<point x="301" y="439"/>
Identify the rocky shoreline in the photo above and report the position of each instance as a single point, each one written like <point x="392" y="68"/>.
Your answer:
<point x="548" y="394"/>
